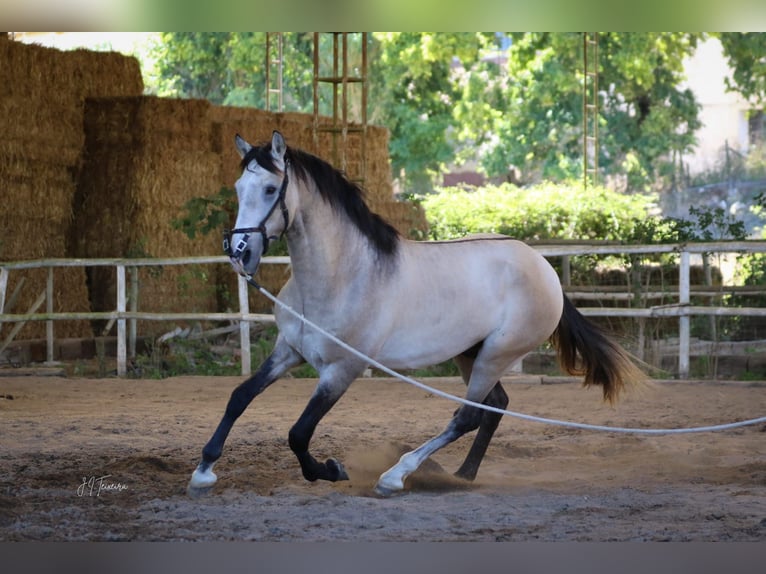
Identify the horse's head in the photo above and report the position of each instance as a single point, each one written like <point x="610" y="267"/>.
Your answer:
<point x="261" y="193"/>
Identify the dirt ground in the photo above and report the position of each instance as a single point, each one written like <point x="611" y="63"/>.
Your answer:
<point x="109" y="459"/>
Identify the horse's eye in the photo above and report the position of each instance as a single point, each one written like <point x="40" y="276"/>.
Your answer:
<point x="271" y="190"/>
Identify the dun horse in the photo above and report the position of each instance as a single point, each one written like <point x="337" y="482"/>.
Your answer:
<point x="484" y="301"/>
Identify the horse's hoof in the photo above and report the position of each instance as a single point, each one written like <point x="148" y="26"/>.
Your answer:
<point x="202" y="482"/>
<point x="197" y="492"/>
<point x="336" y="468"/>
<point x="385" y="492"/>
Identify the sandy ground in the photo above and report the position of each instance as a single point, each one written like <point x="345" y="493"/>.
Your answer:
<point x="59" y="436"/>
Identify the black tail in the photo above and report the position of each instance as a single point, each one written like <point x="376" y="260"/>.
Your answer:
<point x="601" y="360"/>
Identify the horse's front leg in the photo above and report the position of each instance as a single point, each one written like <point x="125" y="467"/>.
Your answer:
<point x="330" y="388"/>
<point x="279" y="362"/>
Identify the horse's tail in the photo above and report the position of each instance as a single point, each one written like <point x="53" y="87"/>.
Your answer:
<point x="602" y="361"/>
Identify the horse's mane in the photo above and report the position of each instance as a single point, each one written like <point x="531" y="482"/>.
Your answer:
<point x="343" y="195"/>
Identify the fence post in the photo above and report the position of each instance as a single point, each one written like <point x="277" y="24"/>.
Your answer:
<point x="3" y="287"/>
<point x="683" y="320"/>
<point x="244" y="326"/>
<point x="121" y="343"/>
<point x="566" y="271"/>
<point x="132" y="325"/>
<point x="49" y="322"/>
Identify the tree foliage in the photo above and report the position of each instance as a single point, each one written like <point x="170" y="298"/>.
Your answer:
<point x="535" y="121"/>
<point x="746" y="53"/>
<point x="414" y="96"/>
<point x="230" y="68"/>
<point x="447" y="98"/>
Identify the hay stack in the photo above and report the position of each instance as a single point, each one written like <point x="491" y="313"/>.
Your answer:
<point x="41" y="115"/>
<point x="145" y="157"/>
<point x="254" y="125"/>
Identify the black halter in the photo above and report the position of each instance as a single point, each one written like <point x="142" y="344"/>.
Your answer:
<point x="236" y="253"/>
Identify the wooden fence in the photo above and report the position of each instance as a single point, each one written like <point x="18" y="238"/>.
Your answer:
<point x="127" y="290"/>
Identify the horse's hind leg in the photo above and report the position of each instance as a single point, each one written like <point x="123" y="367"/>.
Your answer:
<point x="489" y="420"/>
<point x="466" y="419"/>
<point x="280" y="361"/>
<point x="491" y="359"/>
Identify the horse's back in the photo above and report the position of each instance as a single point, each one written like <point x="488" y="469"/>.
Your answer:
<point x="486" y="260"/>
<point x="471" y="289"/>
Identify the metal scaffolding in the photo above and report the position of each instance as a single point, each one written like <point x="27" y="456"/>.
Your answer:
<point x="590" y="108"/>
<point x="274" y="66"/>
<point x="339" y="78"/>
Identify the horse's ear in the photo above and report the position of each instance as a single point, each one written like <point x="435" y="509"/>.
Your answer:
<point x="242" y="146"/>
<point x="278" y="149"/>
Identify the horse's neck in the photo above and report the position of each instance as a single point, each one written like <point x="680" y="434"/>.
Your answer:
<point x="325" y="248"/>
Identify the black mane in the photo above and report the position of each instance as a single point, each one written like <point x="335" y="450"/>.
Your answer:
<point x="343" y="195"/>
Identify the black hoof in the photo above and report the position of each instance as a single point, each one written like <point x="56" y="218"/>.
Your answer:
<point x="466" y="476"/>
<point x="336" y="470"/>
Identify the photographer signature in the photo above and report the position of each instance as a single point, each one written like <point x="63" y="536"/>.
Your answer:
<point x="95" y="485"/>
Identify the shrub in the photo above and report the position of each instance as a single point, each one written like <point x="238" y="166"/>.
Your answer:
<point x="545" y="211"/>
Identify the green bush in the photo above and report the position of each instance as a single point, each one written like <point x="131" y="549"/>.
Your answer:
<point x="545" y="211"/>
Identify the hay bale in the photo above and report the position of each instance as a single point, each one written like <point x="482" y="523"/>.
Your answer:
<point x="104" y="74"/>
<point x="145" y="158"/>
<point x="54" y="76"/>
<point x="42" y="92"/>
<point x="378" y="181"/>
<point x="408" y="218"/>
<point x="256" y="126"/>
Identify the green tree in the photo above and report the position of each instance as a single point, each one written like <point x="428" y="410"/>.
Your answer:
<point x="527" y="114"/>
<point x="414" y="95"/>
<point x="230" y="68"/>
<point x="535" y="124"/>
<point x="189" y="65"/>
<point x="746" y="53"/>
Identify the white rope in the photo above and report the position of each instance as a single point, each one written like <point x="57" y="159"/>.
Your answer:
<point x="522" y="416"/>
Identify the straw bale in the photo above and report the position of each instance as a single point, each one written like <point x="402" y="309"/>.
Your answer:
<point x="26" y="238"/>
<point x="161" y="124"/>
<point x="42" y="93"/>
<point x="55" y="76"/>
<point x="132" y="216"/>
<point x="48" y="200"/>
<point x="408" y="218"/>
<point x="104" y="74"/>
<point x="297" y="129"/>
<point x="41" y="130"/>
<point x="256" y="126"/>
<point x="28" y="70"/>
<point x="145" y="158"/>
<point x="102" y="206"/>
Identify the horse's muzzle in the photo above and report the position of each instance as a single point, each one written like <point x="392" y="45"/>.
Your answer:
<point x="246" y="264"/>
<point x="242" y="255"/>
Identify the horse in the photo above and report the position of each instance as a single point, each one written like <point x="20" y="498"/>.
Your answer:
<point x="483" y="301"/>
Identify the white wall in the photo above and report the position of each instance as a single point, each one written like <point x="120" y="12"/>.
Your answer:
<point x="723" y="113"/>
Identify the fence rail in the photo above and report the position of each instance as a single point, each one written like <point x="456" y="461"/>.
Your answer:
<point x="126" y="318"/>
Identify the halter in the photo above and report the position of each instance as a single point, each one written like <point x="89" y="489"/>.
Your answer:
<point x="236" y="253"/>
